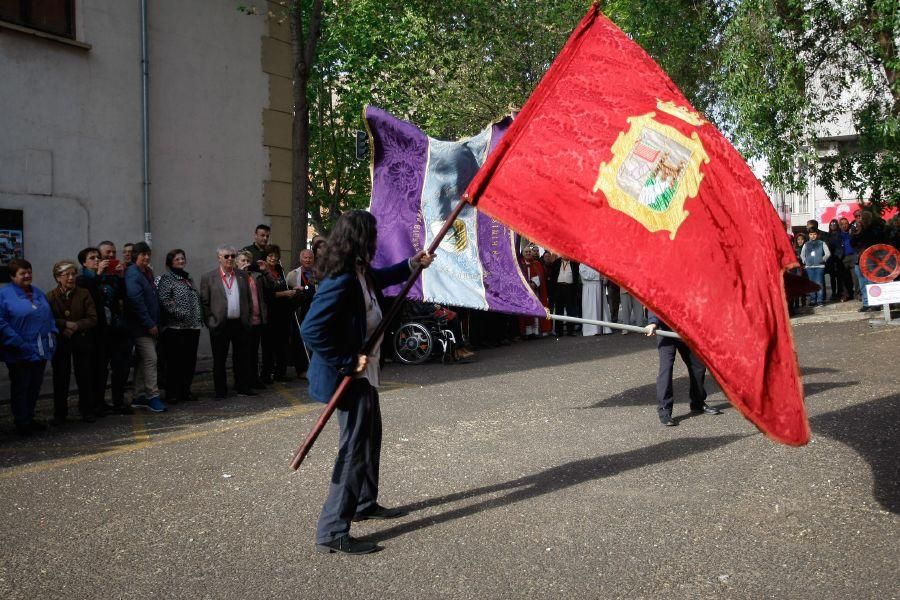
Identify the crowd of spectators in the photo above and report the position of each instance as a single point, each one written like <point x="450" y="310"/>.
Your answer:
<point x="110" y="317"/>
<point x="835" y="253"/>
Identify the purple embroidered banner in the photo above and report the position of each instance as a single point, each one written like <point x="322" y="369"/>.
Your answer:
<point x="416" y="183"/>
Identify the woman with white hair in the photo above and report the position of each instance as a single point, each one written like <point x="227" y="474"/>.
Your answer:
<point x="76" y="318"/>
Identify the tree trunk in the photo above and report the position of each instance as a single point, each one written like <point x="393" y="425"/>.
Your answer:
<point x="299" y="137"/>
<point x="304" y="51"/>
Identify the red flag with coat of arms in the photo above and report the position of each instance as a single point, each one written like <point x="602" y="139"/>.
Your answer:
<point x="610" y="165"/>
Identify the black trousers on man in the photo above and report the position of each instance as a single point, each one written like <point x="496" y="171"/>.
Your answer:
<point x="74" y="351"/>
<point x="566" y="301"/>
<point x="115" y="358"/>
<point x="696" y="373"/>
<point x="231" y="333"/>
<point x="354" y="481"/>
<point x="254" y="336"/>
<point x="181" y="362"/>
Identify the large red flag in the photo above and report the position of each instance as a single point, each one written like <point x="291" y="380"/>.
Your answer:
<point x="609" y="164"/>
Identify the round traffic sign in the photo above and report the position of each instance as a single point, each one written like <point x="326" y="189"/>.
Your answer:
<point x="880" y="263"/>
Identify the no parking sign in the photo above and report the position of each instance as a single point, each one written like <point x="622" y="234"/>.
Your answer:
<point x="880" y="263"/>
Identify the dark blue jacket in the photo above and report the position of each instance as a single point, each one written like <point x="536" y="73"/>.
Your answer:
<point x="27" y="327"/>
<point x="142" y="303"/>
<point x="335" y="326"/>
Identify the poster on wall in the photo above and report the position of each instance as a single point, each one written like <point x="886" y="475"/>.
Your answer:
<point x="12" y="240"/>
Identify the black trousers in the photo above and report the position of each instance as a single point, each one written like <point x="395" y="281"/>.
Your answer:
<point x="566" y="301"/>
<point x="614" y="297"/>
<point x="115" y="358"/>
<point x="180" y="357"/>
<point x="74" y="351"/>
<point x="696" y="373"/>
<point x="232" y="334"/>
<point x="275" y="337"/>
<point x="25" y="379"/>
<point x="354" y="481"/>
<point x="253" y="339"/>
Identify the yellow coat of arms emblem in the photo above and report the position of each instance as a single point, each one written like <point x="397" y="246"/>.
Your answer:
<point x="654" y="170"/>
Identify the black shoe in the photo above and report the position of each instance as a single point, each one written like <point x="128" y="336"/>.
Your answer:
<point x="863" y="309"/>
<point x="57" y="421"/>
<point x="706" y="409"/>
<point x="667" y="421"/>
<point x="219" y="397"/>
<point x="348" y="545"/>
<point x="37" y="426"/>
<point x="246" y="392"/>
<point x="380" y="512"/>
<point x="283" y="378"/>
<point x="258" y="385"/>
<point x="89" y="418"/>
<point x="124" y="410"/>
<point x="267" y="380"/>
<point x="190" y="398"/>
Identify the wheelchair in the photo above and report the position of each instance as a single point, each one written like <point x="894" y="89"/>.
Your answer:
<point x="421" y="336"/>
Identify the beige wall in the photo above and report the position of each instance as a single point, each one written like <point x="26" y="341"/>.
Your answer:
<point x="70" y="149"/>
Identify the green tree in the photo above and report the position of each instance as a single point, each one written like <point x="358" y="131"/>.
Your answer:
<point x="452" y="68"/>
<point x="791" y="68"/>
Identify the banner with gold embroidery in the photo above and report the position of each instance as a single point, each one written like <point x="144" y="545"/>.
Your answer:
<point x="608" y="163"/>
<point x="416" y="182"/>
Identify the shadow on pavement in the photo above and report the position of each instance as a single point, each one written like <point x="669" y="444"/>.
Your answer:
<point x="811" y="389"/>
<point x="117" y="431"/>
<point x="645" y="395"/>
<point x="544" y="353"/>
<point x="554" y="479"/>
<point x="871" y="430"/>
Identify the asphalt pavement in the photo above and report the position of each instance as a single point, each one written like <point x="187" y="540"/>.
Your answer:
<point x="538" y="471"/>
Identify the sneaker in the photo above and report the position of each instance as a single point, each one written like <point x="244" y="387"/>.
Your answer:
<point x="667" y="421"/>
<point x="246" y="392"/>
<point x="156" y="405"/>
<point x="140" y="402"/>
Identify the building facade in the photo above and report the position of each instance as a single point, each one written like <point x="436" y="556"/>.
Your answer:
<point x="218" y="125"/>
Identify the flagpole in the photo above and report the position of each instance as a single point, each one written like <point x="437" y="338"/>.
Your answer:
<point x="304" y="448"/>
<point x="611" y="325"/>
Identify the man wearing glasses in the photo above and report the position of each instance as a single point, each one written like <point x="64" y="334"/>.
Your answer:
<point x="225" y="298"/>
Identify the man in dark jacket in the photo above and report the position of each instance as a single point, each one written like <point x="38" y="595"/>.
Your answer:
<point x="667" y="347"/>
<point x="143" y="322"/>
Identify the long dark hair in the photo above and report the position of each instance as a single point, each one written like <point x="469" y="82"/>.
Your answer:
<point x="351" y="243"/>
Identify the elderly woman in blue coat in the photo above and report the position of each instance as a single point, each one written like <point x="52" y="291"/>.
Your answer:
<point x="344" y="314"/>
<point x="28" y="334"/>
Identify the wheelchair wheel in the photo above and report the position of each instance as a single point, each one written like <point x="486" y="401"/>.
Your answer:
<point x="413" y="343"/>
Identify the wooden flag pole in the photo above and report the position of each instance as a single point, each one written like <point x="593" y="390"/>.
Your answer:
<point x="304" y="448"/>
